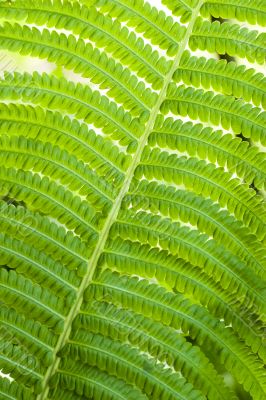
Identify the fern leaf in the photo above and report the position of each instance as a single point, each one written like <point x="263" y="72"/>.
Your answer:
<point x="42" y="303"/>
<point x="186" y="206"/>
<point x="203" y="142"/>
<point x="128" y="363"/>
<point x="154" y="337"/>
<point x="153" y="301"/>
<point x="88" y="23"/>
<point x="51" y="161"/>
<point x="199" y="176"/>
<point x="218" y="109"/>
<point x="155" y="25"/>
<point x="175" y="274"/>
<point x="252" y="11"/>
<point x="192" y="247"/>
<point x="93" y="383"/>
<point x="35" y="265"/>
<point x="230" y="39"/>
<point x="14" y="391"/>
<point x="36" y="337"/>
<point x="56" y="199"/>
<point x="223" y="77"/>
<point x="132" y="200"/>
<point x="60" y="130"/>
<point x="38" y="230"/>
<point x="182" y="8"/>
<point x="82" y="59"/>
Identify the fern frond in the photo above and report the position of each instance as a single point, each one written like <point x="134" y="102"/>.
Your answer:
<point x="228" y="38"/>
<point x="181" y="8"/>
<point x="69" y="134"/>
<point x="177" y="312"/>
<point x="42" y="305"/>
<point x="81" y="58"/>
<point x="218" y="109"/>
<point x="132" y="200"/>
<point x="203" y="178"/>
<point x="35" y="337"/>
<point x="196" y="248"/>
<point x="60" y="94"/>
<point x="88" y="23"/>
<point x="223" y="77"/>
<point x="153" y="337"/>
<point x="57" y="201"/>
<point x="46" y="236"/>
<point x="15" y="360"/>
<point x="58" y="165"/>
<point x="155" y="25"/>
<point x="14" y="391"/>
<point x="38" y="266"/>
<point x="177" y="275"/>
<point x="127" y="363"/>
<point x="252" y="11"/>
<point x="93" y="383"/>
<point x="231" y="153"/>
<point x="187" y="207"/>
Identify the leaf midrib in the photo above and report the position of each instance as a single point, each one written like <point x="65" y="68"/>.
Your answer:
<point x="116" y="206"/>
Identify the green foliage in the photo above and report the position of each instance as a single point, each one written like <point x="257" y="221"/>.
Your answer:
<point x="132" y="201"/>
